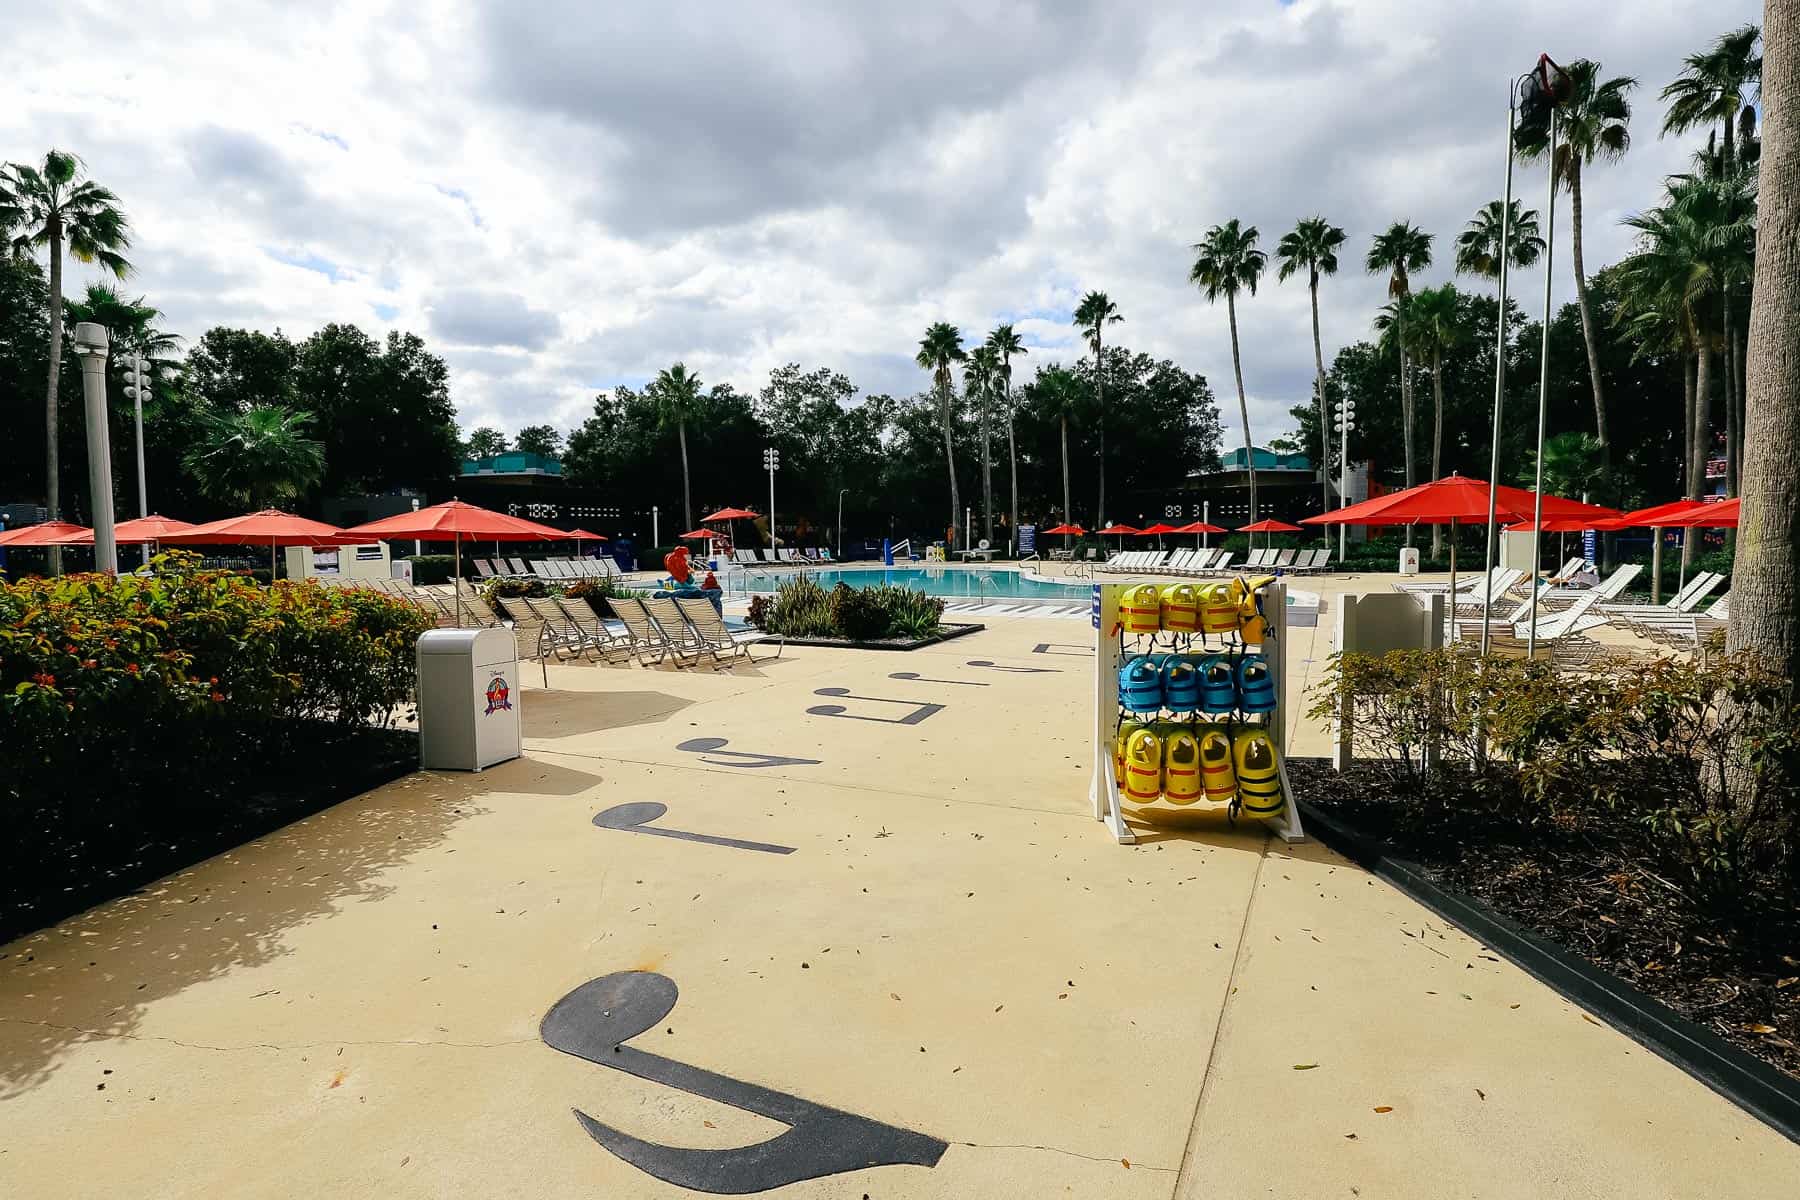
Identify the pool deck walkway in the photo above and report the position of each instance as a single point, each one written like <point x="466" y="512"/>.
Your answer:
<point x="949" y="948"/>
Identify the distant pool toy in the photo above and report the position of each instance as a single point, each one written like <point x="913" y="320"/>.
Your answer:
<point x="1255" y="686"/>
<point x="1216" y="776"/>
<point x="1180" y="684"/>
<point x="1218" y="609"/>
<point x="1181" y="767"/>
<point x="1140" y="685"/>
<point x="1140" y="610"/>
<point x="675" y="562"/>
<point x="1258" y="774"/>
<point x="1180" y="608"/>
<point x="1218" y="685"/>
<point x="1143" y="767"/>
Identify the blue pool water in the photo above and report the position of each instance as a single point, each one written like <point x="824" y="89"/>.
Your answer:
<point x="997" y="584"/>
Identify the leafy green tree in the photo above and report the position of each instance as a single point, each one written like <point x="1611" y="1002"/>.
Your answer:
<point x="1572" y="465"/>
<point x="1711" y="89"/>
<point x="382" y="409"/>
<point x="1402" y="250"/>
<point x="1312" y="246"/>
<point x="677" y="393"/>
<point x="1095" y="312"/>
<point x="939" y="349"/>
<point x="1058" y="392"/>
<point x="52" y="207"/>
<point x="1005" y="343"/>
<point x="1592" y="125"/>
<point x="485" y="442"/>
<point x="236" y="369"/>
<point x="543" y="440"/>
<point x="260" y="456"/>
<point x="1478" y="245"/>
<point x="1436" y="325"/>
<point x="1228" y="262"/>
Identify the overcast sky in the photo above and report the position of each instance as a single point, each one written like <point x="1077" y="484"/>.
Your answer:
<point x="562" y="198"/>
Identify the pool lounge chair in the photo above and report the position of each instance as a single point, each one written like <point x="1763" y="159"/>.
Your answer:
<point x="684" y="641"/>
<point x="516" y="566"/>
<point x="1559" y="638"/>
<point x="484" y="568"/>
<point x="1688" y="598"/>
<point x="596" y="636"/>
<point x="1284" y="559"/>
<point x="1607" y="589"/>
<point x="717" y="641"/>
<point x="1657" y="621"/>
<point x="1221" y="564"/>
<point x="649" y="641"/>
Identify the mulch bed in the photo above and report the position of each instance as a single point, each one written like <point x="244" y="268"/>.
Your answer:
<point x="1737" y="973"/>
<point x="58" y="871"/>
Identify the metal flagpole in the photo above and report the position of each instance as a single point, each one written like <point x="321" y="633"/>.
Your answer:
<point x="1487" y="562"/>
<point x="1537" y="499"/>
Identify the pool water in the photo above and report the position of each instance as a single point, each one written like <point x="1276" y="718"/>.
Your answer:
<point x="972" y="583"/>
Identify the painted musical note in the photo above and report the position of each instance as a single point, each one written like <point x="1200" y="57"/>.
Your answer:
<point x="915" y="677"/>
<point x="715" y="746"/>
<point x="919" y="711"/>
<point x="1061" y="648"/>
<point x="994" y="666"/>
<point x="636" y="818"/>
<point x="595" y="1020"/>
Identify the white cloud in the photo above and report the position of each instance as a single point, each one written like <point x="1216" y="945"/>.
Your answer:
<point x="577" y="199"/>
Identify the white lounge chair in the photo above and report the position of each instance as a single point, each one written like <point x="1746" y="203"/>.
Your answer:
<point x="717" y="640"/>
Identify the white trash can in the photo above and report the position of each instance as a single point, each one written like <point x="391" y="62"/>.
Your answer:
<point x="468" y="698"/>
<point x="1409" y="560"/>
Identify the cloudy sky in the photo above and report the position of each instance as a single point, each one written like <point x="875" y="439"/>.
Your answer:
<point x="565" y="197"/>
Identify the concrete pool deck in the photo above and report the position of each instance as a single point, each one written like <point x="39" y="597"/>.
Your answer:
<point x="953" y="949"/>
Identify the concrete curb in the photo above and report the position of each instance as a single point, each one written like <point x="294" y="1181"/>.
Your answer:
<point x="1754" y="1086"/>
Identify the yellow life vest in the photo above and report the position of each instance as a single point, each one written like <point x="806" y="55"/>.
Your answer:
<point x="1258" y="776"/>
<point x="1118" y="749"/>
<point x="1247" y="593"/>
<point x="1181" y="767"/>
<point x="1216" y="775"/>
<point x="1218" y="609"/>
<point x="1180" y="608"/>
<point x="1143" y="767"/>
<point x="1140" y="609"/>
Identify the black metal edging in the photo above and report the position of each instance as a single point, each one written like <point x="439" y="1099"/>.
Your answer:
<point x="949" y="631"/>
<point x="1748" y="1082"/>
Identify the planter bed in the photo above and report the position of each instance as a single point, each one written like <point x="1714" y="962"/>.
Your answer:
<point x="70" y="869"/>
<point x="1717" y="994"/>
<point x="945" y="633"/>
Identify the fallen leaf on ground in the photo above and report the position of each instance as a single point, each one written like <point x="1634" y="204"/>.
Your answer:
<point x="1305" y="1066"/>
<point x="1481" y="1093"/>
<point x="709" y="1124"/>
<point x="893" y="995"/>
<point x="1384" y="1108"/>
<point x="1589" y="1019"/>
<point x="1127" y="1163"/>
<point x="1790" y="981"/>
<point x="1759" y="1027"/>
<point x="1351" y="1136"/>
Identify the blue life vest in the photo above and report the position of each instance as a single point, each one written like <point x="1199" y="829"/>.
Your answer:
<point x="1140" y="685"/>
<point x="1255" y="686"/>
<point x="1218" y="686"/>
<point x="1180" y="684"/>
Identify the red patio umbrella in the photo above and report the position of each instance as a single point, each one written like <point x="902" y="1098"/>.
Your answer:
<point x="695" y="535"/>
<point x="271" y="525"/>
<point x="152" y="528"/>
<point x="1199" y="529"/>
<point x="1121" y="530"/>
<point x="583" y="535"/>
<point x="1270" y="526"/>
<point x="1065" y="528"/>
<point x="47" y="533"/>
<point x="1657" y="517"/>
<point x="1718" y="514"/>
<point x="452" y="521"/>
<point x="1158" y="529"/>
<point x="734" y="515"/>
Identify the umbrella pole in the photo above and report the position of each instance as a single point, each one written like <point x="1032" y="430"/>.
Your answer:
<point x="1453" y="575"/>
<point x="456" y="583"/>
<point x="271" y="562"/>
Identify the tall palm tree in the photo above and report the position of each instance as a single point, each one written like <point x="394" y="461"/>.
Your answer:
<point x="1005" y="343"/>
<point x="53" y="207"/>
<point x="939" y="349"/>
<point x="979" y="380"/>
<point x="1312" y="245"/>
<point x="1710" y="89"/>
<point x="1226" y="262"/>
<point x="1095" y="312"/>
<point x="1478" y="245"/>
<point x="258" y="457"/>
<point x="1434" y="322"/>
<point x="676" y="393"/>
<point x="1592" y="125"/>
<point x="1060" y="392"/>
<point x="1401" y="250"/>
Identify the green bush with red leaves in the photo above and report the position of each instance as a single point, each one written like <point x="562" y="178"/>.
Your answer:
<point x="181" y="681"/>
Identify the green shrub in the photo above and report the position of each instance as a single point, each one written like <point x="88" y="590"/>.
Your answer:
<point x="429" y="569"/>
<point x="858" y="614"/>
<point x="515" y="587"/>
<point x="801" y="608"/>
<point x="597" y="592"/>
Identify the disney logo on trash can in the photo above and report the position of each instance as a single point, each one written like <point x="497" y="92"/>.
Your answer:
<point x="499" y="696"/>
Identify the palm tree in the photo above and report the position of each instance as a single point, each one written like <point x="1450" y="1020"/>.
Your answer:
<point x="1313" y="244"/>
<point x="257" y="457"/>
<point x="1591" y="126"/>
<point x="1478" y="245"/>
<point x="1711" y="87"/>
<point x="1095" y="312"/>
<point x="53" y="207"/>
<point x="979" y="378"/>
<point x="676" y="393"/>
<point x="938" y="349"/>
<point x="1060" y="391"/>
<point x="1005" y="343"/>
<point x="1400" y="250"/>
<point x="1434" y="322"/>
<point x="1227" y="262"/>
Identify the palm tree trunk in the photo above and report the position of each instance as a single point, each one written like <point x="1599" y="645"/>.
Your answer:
<point x="1012" y="459"/>
<point x="1697" y="444"/>
<point x="1068" y="514"/>
<point x="950" y="460"/>
<point x="52" y="455"/>
<point x="687" y="503"/>
<point x="1437" y="438"/>
<point x="987" y="474"/>
<point x="1324" y="420"/>
<point x="1100" y="403"/>
<point x="1731" y="399"/>
<point x="1765" y="584"/>
<point x="1587" y="318"/>
<point x="1406" y="411"/>
<point x="1237" y="366"/>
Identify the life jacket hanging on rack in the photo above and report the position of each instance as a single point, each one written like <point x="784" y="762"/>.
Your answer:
<point x="1253" y="627"/>
<point x="1140" y="609"/>
<point x="1218" y="609"/>
<point x="1180" y="608"/>
<point x="1180" y="684"/>
<point x="1143" y="767"/>
<point x="1118" y="749"/>
<point x="1258" y="774"/>
<point x="1255" y="686"/>
<point x="1181" y="767"/>
<point x="1216" y="775"/>
<point x="1218" y="685"/>
<point x="1140" y="685"/>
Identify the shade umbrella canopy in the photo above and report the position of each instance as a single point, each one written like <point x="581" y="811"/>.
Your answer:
<point x="47" y="533"/>
<point x="1201" y="527"/>
<point x="581" y="535"/>
<point x="1270" y="526"/>
<point x="1721" y="514"/>
<point x="1455" y="499"/>
<point x="1565" y="525"/>
<point x="1120" y="529"/>
<point x="153" y="528"/>
<point x="453" y="520"/>
<point x="271" y="525"/>
<point x="1066" y="529"/>
<point x="731" y="514"/>
<point x="1159" y="528"/>
<point x="694" y="535"/>
<point x="1658" y="514"/>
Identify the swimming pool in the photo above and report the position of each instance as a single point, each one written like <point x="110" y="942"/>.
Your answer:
<point x="957" y="583"/>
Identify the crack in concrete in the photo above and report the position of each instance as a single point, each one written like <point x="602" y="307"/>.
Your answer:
<point x="103" y="1035"/>
<point x="1136" y="1166"/>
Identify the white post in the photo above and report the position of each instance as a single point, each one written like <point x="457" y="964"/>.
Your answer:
<point x="1537" y="502"/>
<point x="90" y="344"/>
<point x="1206" y="519"/>
<point x="1487" y="561"/>
<point x="840" y="525"/>
<point x="655" y="525"/>
<point x="418" y="544"/>
<point x="968" y="526"/>
<point x="138" y="383"/>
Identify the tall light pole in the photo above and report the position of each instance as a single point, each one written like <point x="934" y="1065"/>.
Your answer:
<point x="90" y="345"/>
<point x="771" y="464"/>
<point x="137" y="385"/>
<point x="1537" y="500"/>
<point x="1487" y="562"/>
<point x="1345" y="422"/>
<point x="841" y="492"/>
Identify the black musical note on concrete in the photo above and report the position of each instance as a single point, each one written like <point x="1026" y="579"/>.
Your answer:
<point x="1062" y="648"/>
<point x="920" y="711"/>
<point x="636" y="818"/>
<point x="915" y="677"/>
<point x="595" y="1020"/>
<point x="994" y="666"/>
<point x="713" y="746"/>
